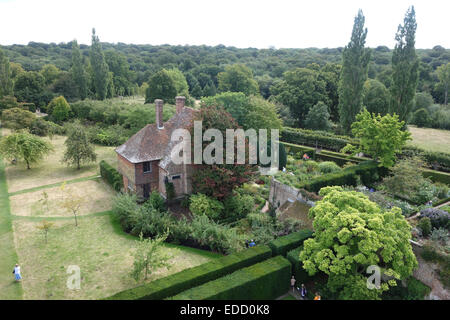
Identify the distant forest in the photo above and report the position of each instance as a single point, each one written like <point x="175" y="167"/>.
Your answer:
<point x="201" y="64"/>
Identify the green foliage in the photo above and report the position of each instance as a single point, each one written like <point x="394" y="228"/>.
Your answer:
<point x="263" y="281"/>
<point x="380" y="137"/>
<point x="180" y="83"/>
<point x="237" y="78"/>
<point x="297" y="270"/>
<point x="376" y="97"/>
<point x="30" y="87"/>
<point x="283" y="245"/>
<point x="318" y="118"/>
<point x="423" y="100"/>
<point x="192" y="277"/>
<point x="8" y="102"/>
<point x="355" y="62"/>
<point x="421" y="118"/>
<point x="17" y="118"/>
<point x="156" y="201"/>
<point x="237" y="206"/>
<point x="111" y="175"/>
<point x="201" y="204"/>
<point x="161" y="86"/>
<point x="78" y="148"/>
<point x="149" y="256"/>
<point x="329" y="167"/>
<point x="78" y="73"/>
<point x="59" y="109"/>
<point x="100" y="70"/>
<point x="425" y="225"/>
<point x="405" y="66"/>
<point x="443" y="73"/>
<point x="24" y="146"/>
<point x="50" y="73"/>
<point x="352" y="233"/>
<point x="6" y="83"/>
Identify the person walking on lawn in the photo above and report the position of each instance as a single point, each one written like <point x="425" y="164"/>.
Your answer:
<point x="16" y="273"/>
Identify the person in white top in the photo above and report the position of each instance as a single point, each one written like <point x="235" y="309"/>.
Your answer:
<point x="17" y="274"/>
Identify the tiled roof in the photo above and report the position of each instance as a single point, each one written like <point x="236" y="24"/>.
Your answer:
<point x="151" y="143"/>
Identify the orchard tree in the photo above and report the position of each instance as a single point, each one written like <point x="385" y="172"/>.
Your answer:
<point x="161" y="86"/>
<point x="318" y="118"/>
<point x="45" y="226"/>
<point x="149" y="256"/>
<point x="78" y="148"/>
<point x="100" y="70"/>
<point x="77" y="71"/>
<point x="443" y="73"/>
<point x="237" y="78"/>
<point x="405" y="67"/>
<point x="59" y="109"/>
<point x="6" y="84"/>
<point x="355" y="63"/>
<point x="352" y="233"/>
<point x="380" y="137"/>
<point x="24" y="146"/>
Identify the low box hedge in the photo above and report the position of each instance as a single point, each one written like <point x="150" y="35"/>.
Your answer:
<point x="298" y="272"/>
<point x="282" y="245"/>
<point x="111" y="175"/>
<point x="263" y="281"/>
<point x="188" y="278"/>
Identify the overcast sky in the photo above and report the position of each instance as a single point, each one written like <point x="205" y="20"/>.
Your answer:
<point x="239" y="23"/>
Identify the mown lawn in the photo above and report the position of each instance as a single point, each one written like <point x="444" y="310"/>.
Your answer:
<point x="100" y="249"/>
<point x="430" y="139"/>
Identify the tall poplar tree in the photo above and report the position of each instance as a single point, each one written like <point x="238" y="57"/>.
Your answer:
<point x="355" y="62"/>
<point x="6" y="85"/>
<point x="77" y="71"/>
<point x="405" y="66"/>
<point x="100" y="70"/>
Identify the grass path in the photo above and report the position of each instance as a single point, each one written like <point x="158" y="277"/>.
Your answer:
<point x="8" y="256"/>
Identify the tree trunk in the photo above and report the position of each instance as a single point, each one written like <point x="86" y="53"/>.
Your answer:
<point x="78" y="164"/>
<point x="76" y="221"/>
<point x="28" y="164"/>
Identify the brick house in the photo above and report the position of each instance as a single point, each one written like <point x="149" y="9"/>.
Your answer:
<point x="144" y="160"/>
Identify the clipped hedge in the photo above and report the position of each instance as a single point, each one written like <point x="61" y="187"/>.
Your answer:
<point x="437" y="176"/>
<point x="298" y="272"/>
<point x="192" y="277"/>
<point x="282" y="245"/>
<point x="294" y="149"/>
<point x="263" y="281"/>
<point x="111" y="175"/>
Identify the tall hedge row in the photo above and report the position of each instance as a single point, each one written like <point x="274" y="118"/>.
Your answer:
<point x="263" y="281"/>
<point x="192" y="277"/>
<point x="298" y="272"/>
<point x="282" y="245"/>
<point x="111" y="175"/>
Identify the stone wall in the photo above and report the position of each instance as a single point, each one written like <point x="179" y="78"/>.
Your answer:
<point x="280" y="193"/>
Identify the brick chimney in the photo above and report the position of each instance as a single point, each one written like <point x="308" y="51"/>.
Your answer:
<point x="179" y="101"/>
<point x="159" y="113"/>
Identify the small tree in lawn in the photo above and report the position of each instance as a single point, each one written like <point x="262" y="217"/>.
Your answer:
<point x="45" y="227"/>
<point x="24" y="146"/>
<point x="72" y="204"/>
<point x="149" y="256"/>
<point x="44" y="199"/>
<point x="380" y="137"/>
<point x="78" y="148"/>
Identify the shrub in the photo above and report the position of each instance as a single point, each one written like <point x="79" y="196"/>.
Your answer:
<point x="430" y="254"/>
<point x="282" y="245"/>
<point x="329" y="167"/>
<point x="111" y="175"/>
<point x="440" y="235"/>
<point x="238" y="206"/>
<point x="188" y="278"/>
<point x="425" y="226"/>
<point x="265" y="280"/>
<point x="201" y="204"/>
<point x="439" y="218"/>
<point x="421" y="118"/>
<point x="156" y="201"/>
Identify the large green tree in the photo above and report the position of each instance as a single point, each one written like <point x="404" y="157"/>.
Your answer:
<point x="376" y="97"/>
<point x="443" y="73"/>
<point x="30" y="87"/>
<point x="24" y="146"/>
<point x="355" y="63"/>
<point x="405" y="67"/>
<point x="318" y="118"/>
<point x="300" y="90"/>
<point x="352" y="233"/>
<point x="237" y="78"/>
<point x="59" y="109"/>
<point x="78" y="72"/>
<point x="380" y="137"/>
<point x="100" y="70"/>
<point x="161" y="86"/>
<point x="78" y="148"/>
<point x="6" y="84"/>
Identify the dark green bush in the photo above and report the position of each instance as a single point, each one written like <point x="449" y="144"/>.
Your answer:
<point x="111" y="175"/>
<point x="425" y="225"/>
<point x="298" y="272"/>
<point x="189" y="278"/>
<point x="437" y="176"/>
<point x="414" y="290"/>
<point x="283" y="245"/>
<point x="263" y="281"/>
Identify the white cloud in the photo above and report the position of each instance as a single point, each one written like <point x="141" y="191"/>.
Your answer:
<point x="240" y="23"/>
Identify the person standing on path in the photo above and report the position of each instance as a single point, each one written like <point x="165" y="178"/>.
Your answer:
<point x="293" y="284"/>
<point x="17" y="275"/>
<point x="303" y="292"/>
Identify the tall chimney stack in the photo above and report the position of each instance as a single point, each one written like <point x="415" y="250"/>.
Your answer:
<point x="159" y="113"/>
<point x="179" y="101"/>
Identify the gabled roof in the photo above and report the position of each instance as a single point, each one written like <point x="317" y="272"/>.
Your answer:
<point x="151" y="143"/>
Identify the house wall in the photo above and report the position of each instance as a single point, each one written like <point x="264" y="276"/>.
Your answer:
<point x="126" y="168"/>
<point x="149" y="177"/>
